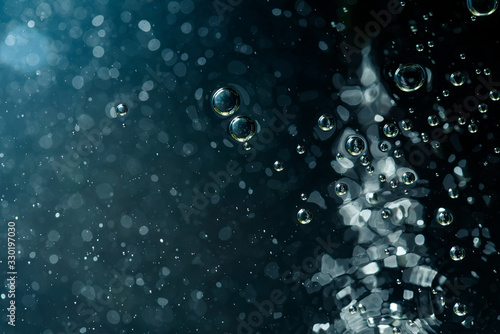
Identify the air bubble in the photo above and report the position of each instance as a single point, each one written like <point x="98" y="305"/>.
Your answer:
<point x="352" y="309"/>
<point x="406" y="124"/>
<point x="370" y="169"/>
<point x="355" y="145"/>
<point x="303" y="197"/>
<point x="326" y="122"/>
<point x="433" y="120"/>
<point x="457" y="253"/>
<point x="398" y="153"/>
<point x="121" y="109"/>
<point x="225" y="101"/>
<point x="482" y="7"/>
<point x="391" y="130"/>
<point x="444" y="217"/>
<point x="409" y="77"/>
<point x="382" y="178"/>
<point x="278" y="166"/>
<point x="483" y="107"/>
<point x="247" y="146"/>
<point x="409" y="178"/>
<point x="242" y="128"/>
<point x="457" y="79"/>
<point x="453" y="193"/>
<point x="419" y="47"/>
<point x="473" y="128"/>
<point x="494" y="95"/>
<point x="364" y="160"/>
<point x="394" y="184"/>
<point x="341" y="189"/>
<point x="301" y="149"/>
<point x="386" y="213"/>
<point x="383" y="147"/>
<point x="460" y="309"/>
<point x="304" y="216"/>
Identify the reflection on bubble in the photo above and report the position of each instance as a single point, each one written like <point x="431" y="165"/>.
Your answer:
<point x="304" y="216"/>
<point x="326" y="122"/>
<point x="409" y="178"/>
<point x="482" y="7"/>
<point x="460" y="309"/>
<point x="444" y="217"/>
<point x="121" y="109"/>
<point x="409" y="77"/>
<point x="341" y="189"/>
<point x="457" y="253"/>
<point x="391" y="130"/>
<point x="226" y="101"/>
<point x="278" y="166"/>
<point x="457" y="79"/>
<point x="301" y="149"/>
<point x="355" y="145"/>
<point x="242" y="128"/>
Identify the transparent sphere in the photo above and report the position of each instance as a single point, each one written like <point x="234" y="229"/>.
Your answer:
<point x="383" y="147"/>
<point x="433" y="120"/>
<point x="444" y="217"/>
<point x="457" y="79"/>
<point x="494" y="95"/>
<point x="355" y="145"/>
<point x="326" y="122"/>
<point x="457" y="253"/>
<point x="391" y="130"/>
<point x="386" y="213"/>
<point x="247" y="146"/>
<point x="406" y="124"/>
<point x="460" y="309"/>
<point x="341" y="189"/>
<point x="278" y="166"/>
<point x="301" y="149"/>
<point x="304" y="216"/>
<point x="409" y="178"/>
<point x="303" y="197"/>
<point x="483" y="107"/>
<point x="121" y="109"/>
<point x="242" y="128"/>
<point x="409" y="77"/>
<point x="225" y="101"/>
<point x="482" y="7"/>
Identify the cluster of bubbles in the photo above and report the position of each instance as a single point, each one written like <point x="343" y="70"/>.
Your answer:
<point x="225" y="102"/>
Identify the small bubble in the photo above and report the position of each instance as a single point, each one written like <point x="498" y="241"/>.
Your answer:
<point x="370" y="169"/>
<point x="496" y="150"/>
<point x="341" y="189"/>
<point x="386" y="213"/>
<point x="304" y="216"/>
<point x="478" y="71"/>
<point x="301" y="149"/>
<point x="473" y="128"/>
<point x="355" y="145"/>
<point x="391" y="130"/>
<point x="494" y="95"/>
<point x="383" y="147"/>
<point x="247" y="146"/>
<point x="406" y="124"/>
<point x="433" y="120"/>
<point x="396" y="330"/>
<point x="242" y="128"/>
<point x="483" y="107"/>
<point x="453" y="193"/>
<point x="444" y="217"/>
<point x="409" y="178"/>
<point x="460" y="309"/>
<point x="278" y="166"/>
<point x="326" y="122"/>
<point x="225" y="101"/>
<point x="382" y="178"/>
<point x="303" y="197"/>
<point x="462" y="56"/>
<point x="457" y="253"/>
<point x="487" y="71"/>
<point x="446" y="93"/>
<point x="409" y="77"/>
<point x="121" y="109"/>
<point x="457" y="79"/>
<point x="411" y="110"/>
<point x="364" y="160"/>
<point x="425" y="137"/>
<point x="352" y="309"/>
<point x="398" y="153"/>
<point x="419" y="47"/>
<point x="361" y="308"/>
<point x="462" y="120"/>
<point x="394" y="183"/>
<point x="430" y="44"/>
<point x="340" y="156"/>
